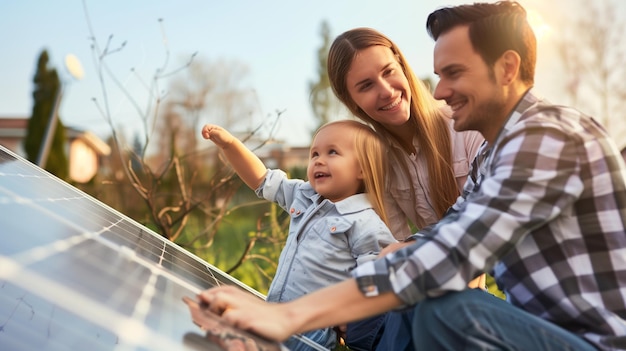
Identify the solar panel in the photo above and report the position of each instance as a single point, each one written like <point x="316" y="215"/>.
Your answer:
<point x="76" y="274"/>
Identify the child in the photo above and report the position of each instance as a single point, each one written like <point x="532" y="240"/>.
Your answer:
<point x="338" y="219"/>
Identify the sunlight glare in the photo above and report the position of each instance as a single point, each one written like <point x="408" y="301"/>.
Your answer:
<point x="539" y="26"/>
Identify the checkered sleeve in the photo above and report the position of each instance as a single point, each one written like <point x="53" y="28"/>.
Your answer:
<point x="545" y="215"/>
<point x="533" y="175"/>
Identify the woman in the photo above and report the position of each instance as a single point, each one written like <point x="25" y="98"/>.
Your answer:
<point x="369" y="74"/>
<point x="429" y="159"/>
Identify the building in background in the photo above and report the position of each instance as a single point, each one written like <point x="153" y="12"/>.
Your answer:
<point x="84" y="149"/>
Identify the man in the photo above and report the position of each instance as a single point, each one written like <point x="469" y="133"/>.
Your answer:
<point x="546" y="217"/>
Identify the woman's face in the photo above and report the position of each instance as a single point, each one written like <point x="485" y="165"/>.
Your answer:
<point x="379" y="87"/>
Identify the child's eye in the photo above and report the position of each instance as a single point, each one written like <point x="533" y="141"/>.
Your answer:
<point x="314" y="154"/>
<point x="332" y="152"/>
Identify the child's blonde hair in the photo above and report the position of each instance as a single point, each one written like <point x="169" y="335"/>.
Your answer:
<point x="371" y="155"/>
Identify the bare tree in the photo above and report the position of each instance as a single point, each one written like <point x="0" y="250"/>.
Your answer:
<point x="209" y="90"/>
<point x="177" y="181"/>
<point x="591" y="47"/>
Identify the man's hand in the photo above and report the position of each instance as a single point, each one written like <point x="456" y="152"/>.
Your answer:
<point x="247" y="312"/>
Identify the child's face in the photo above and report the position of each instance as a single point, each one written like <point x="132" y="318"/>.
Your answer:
<point x="333" y="170"/>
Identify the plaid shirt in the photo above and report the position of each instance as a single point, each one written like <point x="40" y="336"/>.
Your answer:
<point x="544" y="209"/>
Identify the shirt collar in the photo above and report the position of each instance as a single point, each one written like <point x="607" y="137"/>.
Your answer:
<point x="351" y="204"/>
<point x="528" y="99"/>
<point x="354" y="203"/>
<point x="415" y="141"/>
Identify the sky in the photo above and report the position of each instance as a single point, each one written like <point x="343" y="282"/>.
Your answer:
<point x="275" y="39"/>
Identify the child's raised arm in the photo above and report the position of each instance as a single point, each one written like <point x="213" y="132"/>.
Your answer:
<point x="247" y="165"/>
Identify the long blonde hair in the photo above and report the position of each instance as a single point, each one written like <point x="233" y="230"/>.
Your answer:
<point x="429" y="121"/>
<point x="370" y="152"/>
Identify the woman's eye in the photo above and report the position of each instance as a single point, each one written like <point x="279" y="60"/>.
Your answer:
<point x="365" y="86"/>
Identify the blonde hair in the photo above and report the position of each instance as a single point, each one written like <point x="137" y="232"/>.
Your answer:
<point x="370" y="151"/>
<point x="428" y="120"/>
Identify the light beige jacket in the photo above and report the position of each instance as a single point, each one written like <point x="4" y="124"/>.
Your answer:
<point x="399" y="204"/>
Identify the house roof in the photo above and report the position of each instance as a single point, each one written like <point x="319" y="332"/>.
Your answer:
<point x="16" y="127"/>
<point x="13" y="122"/>
<point x="13" y="127"/>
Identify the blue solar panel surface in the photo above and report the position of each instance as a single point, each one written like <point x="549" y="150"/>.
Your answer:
<point x="77" y="275"/>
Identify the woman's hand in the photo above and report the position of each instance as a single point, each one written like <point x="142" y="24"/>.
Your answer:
<point x="394" y="247"/>
<point x="480" y="282"/>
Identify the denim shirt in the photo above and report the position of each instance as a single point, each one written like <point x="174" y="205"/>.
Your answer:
<point x="326" y="240"/>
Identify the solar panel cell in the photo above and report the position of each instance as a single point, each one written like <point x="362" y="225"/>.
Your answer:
<point x="77" y="275"/>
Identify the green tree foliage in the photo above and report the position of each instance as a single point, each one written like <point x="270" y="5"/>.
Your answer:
<point x="45" y="95"/>
<point x="323" y="101"/>
<point x="250" y="243"/>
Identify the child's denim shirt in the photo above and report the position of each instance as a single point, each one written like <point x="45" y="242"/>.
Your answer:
<point x="326" y="240"/>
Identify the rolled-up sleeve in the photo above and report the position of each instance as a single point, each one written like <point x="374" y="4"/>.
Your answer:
<point x="373" y="278"/>
<point x="277" y="187"/>
<point x="532" y="178"/>
<point x="270" y="186"/>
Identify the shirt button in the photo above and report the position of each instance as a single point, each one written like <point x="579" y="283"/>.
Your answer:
<point x="292" y="210"/>
<point x="332" y="229"/>
<point x="298" y="212"/>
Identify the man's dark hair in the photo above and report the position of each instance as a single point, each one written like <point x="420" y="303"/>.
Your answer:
<point x="493" y="29"/>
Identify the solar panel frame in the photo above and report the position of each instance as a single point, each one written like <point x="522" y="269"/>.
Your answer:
<point x="77" y="274"/>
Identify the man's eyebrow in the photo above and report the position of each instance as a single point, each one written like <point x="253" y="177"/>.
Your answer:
<point x="449" y="68"/>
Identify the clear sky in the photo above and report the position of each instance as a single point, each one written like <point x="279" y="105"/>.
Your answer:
<point x="276" y="39"/>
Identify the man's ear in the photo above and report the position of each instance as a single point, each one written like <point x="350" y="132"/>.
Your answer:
<point x="509" y="65"/>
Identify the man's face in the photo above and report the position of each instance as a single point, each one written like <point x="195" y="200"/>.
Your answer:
<point x="467" y="84"/>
